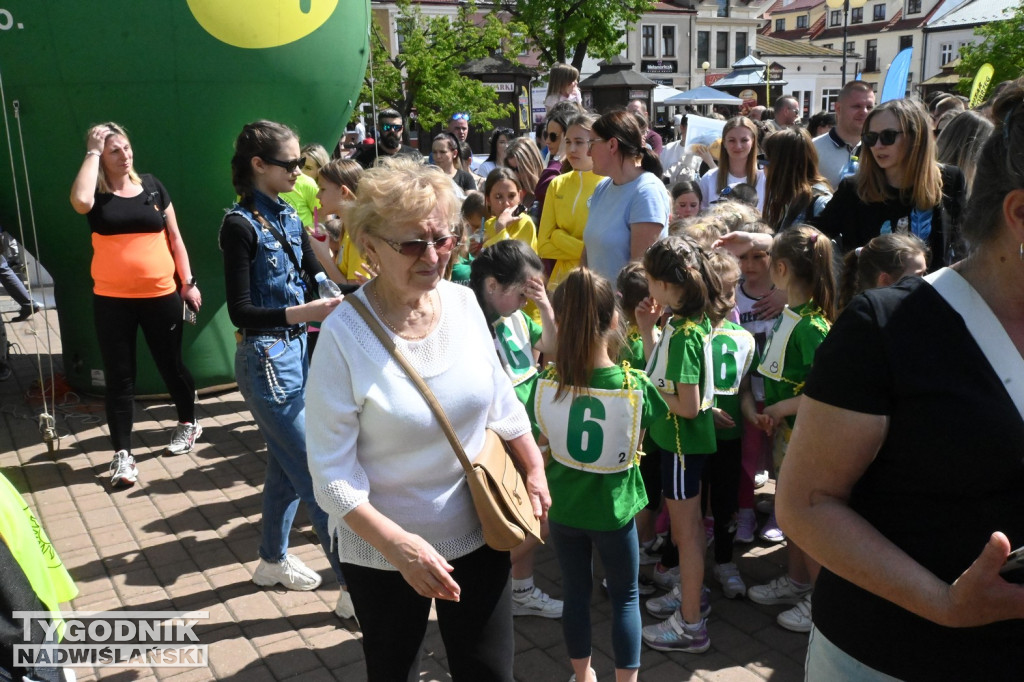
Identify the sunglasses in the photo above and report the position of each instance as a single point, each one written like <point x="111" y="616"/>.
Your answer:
<point x="887" y="137"/>
<point x="388" y="127"/>
<point x="415" y="248"/>
<point x="553" y="137"/>
<point x="289" y="166"/>
<point x="460" y="117"/>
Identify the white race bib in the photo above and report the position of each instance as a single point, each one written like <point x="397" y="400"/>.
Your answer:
<point x="773" y="362"/>
<point x="512" y="339"/>
<point x="658" y="364"/>
<point x="596" y="431"/>
<point x="733" y="352"/>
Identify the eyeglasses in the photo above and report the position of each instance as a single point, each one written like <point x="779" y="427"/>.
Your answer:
<point x="553" y="137"/>
<point x="289" y="166"/>
<point x="886" y="137"/>
<point x="591" y="141"/>
<point x="461" y="117"/>
<point x="388" y="127"/>
<point x="577" y="142"/>
<point x="415" y="248"/>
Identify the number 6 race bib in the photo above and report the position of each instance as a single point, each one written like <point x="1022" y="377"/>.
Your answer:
<point x="597" y="431"/>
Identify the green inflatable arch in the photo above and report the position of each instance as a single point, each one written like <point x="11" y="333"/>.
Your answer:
<point x="182" y="76"/>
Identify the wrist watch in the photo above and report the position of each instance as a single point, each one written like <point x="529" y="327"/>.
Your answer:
<point x="191" y="281"/>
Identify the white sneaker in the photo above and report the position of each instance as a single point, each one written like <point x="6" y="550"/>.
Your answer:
<point x="771" y="532"/>
<point x="798" y="618"/>
<point x="344" y="608"/>
<point x="729" y="577"/>
<point x="650" y="553"/>
<point x="666" y="580"/>
<point x="291" y="573"/>
<point x="667" y="604"/>
<point x="746" y="524"/>
<point x="536" y="603"/>
<point x="123" y="472"/>
<point x="184" y="438"/>
<point x="778" y="591"/>
<point x="760" y="478"/>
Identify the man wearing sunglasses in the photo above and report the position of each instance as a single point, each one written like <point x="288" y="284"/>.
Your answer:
<point x="388" y="141"/>
<point x="458" y="125"/>
<point x="838" y="146"/>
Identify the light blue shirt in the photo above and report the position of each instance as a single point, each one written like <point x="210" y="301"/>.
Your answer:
<point x="613" y="209"/>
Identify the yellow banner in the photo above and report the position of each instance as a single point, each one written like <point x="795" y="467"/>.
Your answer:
<point x="980" y="86"/>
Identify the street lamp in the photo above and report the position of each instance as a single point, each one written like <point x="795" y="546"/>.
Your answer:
<point x="707" y="65"/>
<point x="845" y="5"/>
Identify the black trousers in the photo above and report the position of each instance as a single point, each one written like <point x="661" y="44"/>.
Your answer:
<point x="722" y="482"/>
<point x="117" y="323"/>
<point x="477" y="630"/>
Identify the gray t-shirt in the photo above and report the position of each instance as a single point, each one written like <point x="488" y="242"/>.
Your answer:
<point x="613" y="208"/>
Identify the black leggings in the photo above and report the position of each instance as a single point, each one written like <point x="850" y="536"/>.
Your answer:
<point x="722" y="482"/>
<point x="477" y="630"/>
<point x="117" y="324"/>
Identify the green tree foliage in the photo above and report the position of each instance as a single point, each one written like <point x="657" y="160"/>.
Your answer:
<point x="1002" y="46"/>
<point x="424" y="76"/>
<point x="568" y="31"/>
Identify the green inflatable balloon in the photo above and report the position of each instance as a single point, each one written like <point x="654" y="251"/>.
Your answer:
<point x="183" y="77"/>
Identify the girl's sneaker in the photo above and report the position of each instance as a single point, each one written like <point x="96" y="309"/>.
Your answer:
<point x="709" y="529"/>
<point x="798" y="618"/>
<point x="667" y="604"/>
<point x="746" y="524"/>
<point x="729" y="577"/>
<point x="123" y="472"/>
<point x="674" y="635"/>
<point x="665" y="578"/>
<point x="771" y="532"/>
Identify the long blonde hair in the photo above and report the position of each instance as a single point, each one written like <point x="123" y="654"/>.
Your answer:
<point x="723" y="153"/>
<point x="102" y="184"/>
<point x="922" y="177"/>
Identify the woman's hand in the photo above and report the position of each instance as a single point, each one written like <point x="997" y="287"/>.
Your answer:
<point x="980" y="595"/>
<point x="536" y="291"/>
<point x="769" y="307"/>
<point x="96" y="139"/>
<point x="739" y="242"/>
<point x="193" y="298"/>
<point x="505" y="218"/>
<point x="314" y="311"/>
<point x="537" y="489"/>
<point x="423" y="568"/>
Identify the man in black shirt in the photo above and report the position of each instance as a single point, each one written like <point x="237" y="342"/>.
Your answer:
<point x="388" y="140"/>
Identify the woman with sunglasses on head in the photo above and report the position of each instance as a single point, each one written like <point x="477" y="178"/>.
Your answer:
<point x="630" y="209"/>
<point x="141" y="274"/>
<point x="407" y="530"/>
<point x="500" y="137"/>
<point x="264" y="247"/>
<point x="900" y="187"/>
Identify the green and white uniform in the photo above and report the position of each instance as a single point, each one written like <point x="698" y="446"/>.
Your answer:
<point x="632" y="350"/>
<point x="732" y="352"/>
<point x="789" y="353"/>
<point x="683" y="356"/>
<point x="593" y="474"/>
<point x="514" y="337"/>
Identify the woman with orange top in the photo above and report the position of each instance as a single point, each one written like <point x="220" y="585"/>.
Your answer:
<point x="137" y="251"/>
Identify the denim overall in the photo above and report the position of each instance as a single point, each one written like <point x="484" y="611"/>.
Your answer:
<point x="271" y="368"/>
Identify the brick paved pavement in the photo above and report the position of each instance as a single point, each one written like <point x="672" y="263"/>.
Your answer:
<point x="185" y="537"/>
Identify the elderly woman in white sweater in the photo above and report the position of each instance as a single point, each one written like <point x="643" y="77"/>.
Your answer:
<point x="382" y="468"/>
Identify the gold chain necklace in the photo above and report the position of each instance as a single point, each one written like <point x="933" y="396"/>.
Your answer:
<point x="380" y="310"/>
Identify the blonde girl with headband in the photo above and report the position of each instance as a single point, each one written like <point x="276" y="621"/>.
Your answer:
<point x="737" y="163"/>
<point x="801" y="265"/>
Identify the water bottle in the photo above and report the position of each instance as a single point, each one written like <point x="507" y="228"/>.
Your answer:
<point x="850" y="168"/>
<point x="327" y="288"/>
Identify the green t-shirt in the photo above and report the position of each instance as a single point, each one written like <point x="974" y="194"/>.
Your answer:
<point x="681" y="357"/>
<point x="461" y="270"/>
<point x="733" y="351"/>
<point x="303" y="199"/>
<point x="632" y="350"/>
<point x="514" y="337"/>
<point x="807" y="335"/>
<point x="587" y="498"/>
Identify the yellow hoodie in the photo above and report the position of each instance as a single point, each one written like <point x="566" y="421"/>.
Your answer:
<point x="566" y="208"/>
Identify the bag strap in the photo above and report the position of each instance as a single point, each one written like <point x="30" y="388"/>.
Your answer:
<point x="279" y="236"/>
<point x="435" y="406"/>
<point x="988" y="333"/>
<point x="154" y="195"/>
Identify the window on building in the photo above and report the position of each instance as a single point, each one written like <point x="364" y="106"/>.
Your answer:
<point x="827" y="46"/>
<point x="668" y="41"/>
<point x="722" y="50"/>
<point x="829" y="98"/>
<point x="647" y="41"/>
<point x="723" y="8"/>
<point x="851" y="47"/>
<point x="905" y="42"/>
<point x="835" y="18"/>
<point x="780" y="25"/>
<point x="801" y="21"/>
<point x="871" y="55"/>
<point x="857" y="15"/>
<point x="741" y="45"/>
<point x="703" y="47"/>
<point x="878" y="13"/>
<point x="945" y="53"/>
<point x="913" y="6"/>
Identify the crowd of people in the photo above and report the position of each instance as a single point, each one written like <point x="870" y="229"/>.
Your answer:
<point x="647" y="352"/>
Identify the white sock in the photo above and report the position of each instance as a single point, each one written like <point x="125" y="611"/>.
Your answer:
<point x="522" y="586"/>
